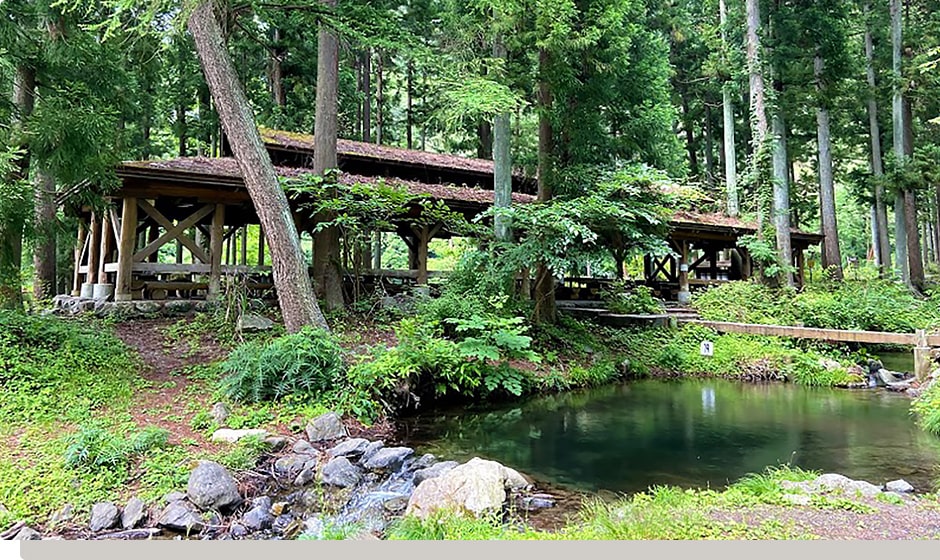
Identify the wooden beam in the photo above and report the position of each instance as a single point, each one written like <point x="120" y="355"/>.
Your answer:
<point x="171" y="233"/>
<point x="79" y="253"/>
<point x="260" y="246"/>
<point x="162" y="220"/>
<point x="128" y="238"/>
<point x="115" y="225"/>
<point x="829" y="335"/>
<point x="215" y="251"/>
<point x="105" y="247"/>
<point x="244" y="259"/>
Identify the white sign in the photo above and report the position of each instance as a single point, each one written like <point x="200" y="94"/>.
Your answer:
<point x="707" y="348"/>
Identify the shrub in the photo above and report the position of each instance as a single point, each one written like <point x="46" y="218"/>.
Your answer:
<point x="623" y="298"/>
<point x="305" y="362"/>
<point x="927" y="409"/>
<point x="95" y="447"/>
<point x="744" y="302"/>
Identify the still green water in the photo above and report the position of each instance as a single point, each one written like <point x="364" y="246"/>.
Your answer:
<point x="691" y="433"/>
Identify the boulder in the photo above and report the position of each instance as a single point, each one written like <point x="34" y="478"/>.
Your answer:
<point x="388" y="458"/>
<point x="900" y="486"/>
<point x="423" y="462"/>
<point x="537" y="502"/>
<point x="61" y="516"/>
<point x="326" y="427"/>
<point x="371" y="450"/>
<point x="104" y="515"/>
<point x="232" y="436"/>
<point x="27" y="534"/>
<point x="434" y="471"/>
<point x="173" y="497"/>
<point x="133" y="514"/>
<point x="180" y="516"/>
<point x="340" y="472"/>
<point x="353" y="447"/>
<point x="303" y="447"/>
<point x="289" y="466"/>
<point x="219" y="413"/>
<point x="475" y="487"/>
<point x="212" y="487"/>
<point x="252" y="322"/>
<point x="837" y="482"/>
<point x="275" y="443"/>
<point x="147" y="307"/>
<point x="177" y="307"/>
<point x="259" y="517"/>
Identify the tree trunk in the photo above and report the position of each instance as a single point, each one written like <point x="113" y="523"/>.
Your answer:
<point x="728" y="146"/>
<point x="544" y="311"/>
<point x="380" y="98"/>
<point x="367" y="95"/>
<point x="44" y="254"/>
<point x="277" y="74"/>
<point x="409" y="110"/>
<point x="709" y="147"/>
<point x="502" y="162"/>
<point x="295" y="294"/>
<point x="757" y="104"/>
<point x="897" y="120"/>
<point x="880" y="224"/>
<point x="781" y="190"/>
<point x="326" y="254"/>
<point x="12" y="226"/>
<point x="485" y="139"/>
<point x="915" y="260"/>
<point x="827" y="199"/>
<point x="689" y="136"/>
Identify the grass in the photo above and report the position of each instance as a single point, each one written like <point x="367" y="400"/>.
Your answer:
<point x="664" y="512"/>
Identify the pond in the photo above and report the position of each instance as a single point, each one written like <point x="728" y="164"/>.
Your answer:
<point x="690" y="433"/>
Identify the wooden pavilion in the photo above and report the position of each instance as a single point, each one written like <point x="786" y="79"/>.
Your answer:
<point x="201" y="206"/>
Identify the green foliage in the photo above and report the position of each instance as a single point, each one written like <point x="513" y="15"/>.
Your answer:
<point x="927" y="409"/>
<point x="307" y="362"/>
<point x="244" y="454"/>
<point x="623" y="298"/>
<point x="93" y="447"/>
<point x="874" y="305"/>
<point x="490" y="337"/>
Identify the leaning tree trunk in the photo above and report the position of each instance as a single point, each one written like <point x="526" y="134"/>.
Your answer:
<point x="545" y="311"/>
<point x="727" y="107"/>
<point x="897" y="120"/>
<point x="757" y="103"/>
<point x="880" y="223"/>
<point x="295" y="294"/>
<point x="827" y="199"/>
<point x="12" y="226"/>
<point x="326" y="252"/>
<point x="44" y="254"/>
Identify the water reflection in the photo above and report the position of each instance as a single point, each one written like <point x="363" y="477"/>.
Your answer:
<point x="626" y="438"/>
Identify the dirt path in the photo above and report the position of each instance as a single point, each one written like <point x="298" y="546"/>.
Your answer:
<point x="916" y="519"/>
<point x="170" y="395"/>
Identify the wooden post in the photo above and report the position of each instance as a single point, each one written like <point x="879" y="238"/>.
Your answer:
<point x="105" y="248"/>
<point x="260" y="246"/>
<point x="713" y="263"/>
<point x="179" y="252"/>
<point x="92" y="276"/>
<point x="922" y="360"/>
<point x="122" y="288"/>
<point x="685" y="295"/>
<point x="79" y="251"/>
<point x="422" y="255"/>
<point x="800" y="268"/>
<point x="215" y="251"/>
<point x="152" y="236"/>
<point x="244" y="259"/>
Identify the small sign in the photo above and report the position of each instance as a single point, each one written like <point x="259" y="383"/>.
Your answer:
<point x="707" y="348"/>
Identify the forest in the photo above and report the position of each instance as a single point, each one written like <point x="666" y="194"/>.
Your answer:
<point x="591" y="143"/>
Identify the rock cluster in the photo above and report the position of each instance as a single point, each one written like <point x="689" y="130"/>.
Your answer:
<point x="800" y="493"/>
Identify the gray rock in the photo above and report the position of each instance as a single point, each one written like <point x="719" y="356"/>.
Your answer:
<point x="27" y="534"/>
<point x="396" y="504"/>
<point x="232" y="436"/>
<point x="303" y="446"/>
<point x="237" y="530"/>
<point x="476" y="487"/>
<point x="220" y="413"/>
<point x="388" y="458"/>
<point x="836" y="482"/>
<point x="423" y="462"/>
<point x="264" y="502"/>
<point x="147" y="307"/>
<point x="276" y="443"/>
<point x="340" y="472"/>
<point x="61" y="516"/>
<point x="180" y="516"/>
<point x="899" y="486"/>
<point x="212" y="487"/>
<point x="371" y="450"/>
<point x="177" y="307"/>
<point x="326" y="427"/>
<point x="533" y="503"/>
<point x="289" y="466"/>
<point x="434" y="471"/>
<point x="104" y="515"/>
<point x="350" y="448"/>
<point x="314" y="527"/>
<point x="252" y="322"/>
<point x="282" y="522"/>
<point x="174" y="497"/>
<point x="305" y="476"/>
<point x="133" y="513"/>
<point x="258" y="518"/>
